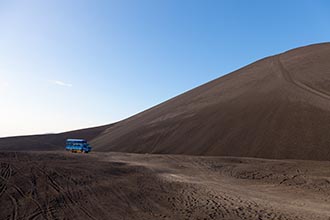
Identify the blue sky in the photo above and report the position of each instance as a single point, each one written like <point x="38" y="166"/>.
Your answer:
<point x="72" y="64"/>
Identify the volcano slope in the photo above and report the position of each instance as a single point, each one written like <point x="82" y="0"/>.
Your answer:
<point x="278" y="107"/>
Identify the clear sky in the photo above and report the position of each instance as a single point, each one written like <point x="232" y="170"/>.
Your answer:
<point x="68" y="64"/>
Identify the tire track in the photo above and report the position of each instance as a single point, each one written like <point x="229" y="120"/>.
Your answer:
<point x="288" y="77"/>
<point x="201" y="202"/>
<point x="5" y="174"/>
<point x="68" y="194"/>
<point x="33" y="197"/>
<point x="36" y="213"/>
<point x="15" y="207"/>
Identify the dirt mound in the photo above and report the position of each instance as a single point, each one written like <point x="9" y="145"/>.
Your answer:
<point x="278" y="107"/>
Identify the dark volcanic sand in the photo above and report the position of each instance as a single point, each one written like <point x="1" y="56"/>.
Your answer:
<point x="278" y="107"/>
<point x="61" y="185"/>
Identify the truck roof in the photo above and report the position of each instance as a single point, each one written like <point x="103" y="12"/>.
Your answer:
<point x="76" y="140"/>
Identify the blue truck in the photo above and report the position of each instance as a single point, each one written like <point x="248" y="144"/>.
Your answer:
<point x="77" y="146"/>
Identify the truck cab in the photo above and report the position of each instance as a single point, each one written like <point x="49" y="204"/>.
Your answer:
<point x="77" y="146"/>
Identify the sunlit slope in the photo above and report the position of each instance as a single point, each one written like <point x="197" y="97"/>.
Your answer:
<point x="278" y="107"/>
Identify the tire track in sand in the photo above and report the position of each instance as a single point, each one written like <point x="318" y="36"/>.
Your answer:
<point x="5" y="174"/>
<point x="15" y="207"/>
<point x="288" y="77"/>
<point x="68" y="196"/>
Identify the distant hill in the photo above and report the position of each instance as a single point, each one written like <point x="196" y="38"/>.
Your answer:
<point x="278" y="107"/>
<point x="48" y="141"/>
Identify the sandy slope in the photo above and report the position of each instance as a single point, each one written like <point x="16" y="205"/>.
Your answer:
<point x="130" y="186"/>
<point x="278" y="107"/>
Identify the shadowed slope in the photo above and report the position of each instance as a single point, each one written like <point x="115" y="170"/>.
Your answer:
<point x="278" y="107"/>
